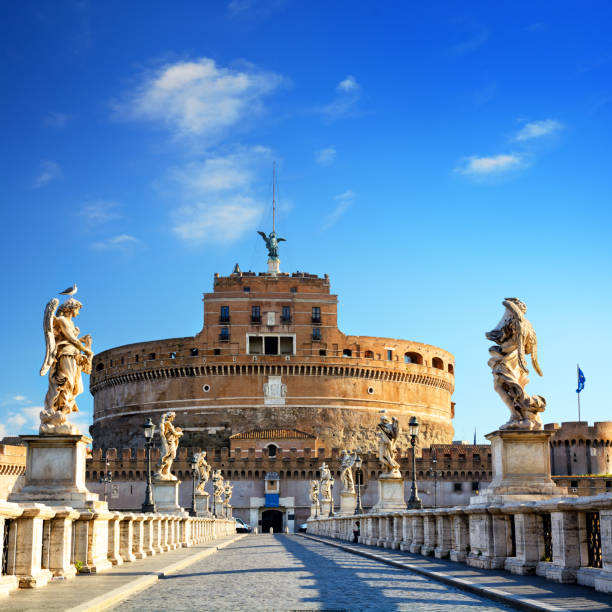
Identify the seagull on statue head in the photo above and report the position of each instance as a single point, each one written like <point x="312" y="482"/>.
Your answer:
<point x="70" y="290"/>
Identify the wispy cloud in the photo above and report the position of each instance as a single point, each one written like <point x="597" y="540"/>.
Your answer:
<point x="97" y="212"/>
<point x="24" y="420"/>
<point x="487" y="166"/>
<point x="58" y="120"/>
<point x="222" y="196"/>
<point x="119" y="242"/>
<point x="19" y="398"/>
<point x="198" y="97"/>
<point x="326" y="157"/>
<point x="342" y="202"/>
<point x="470" y="44"/>
<point x="348" y="92"/>
<point x="49" y="171"/>
<point x="239" y="8"/>
<point x="538" y="129"/>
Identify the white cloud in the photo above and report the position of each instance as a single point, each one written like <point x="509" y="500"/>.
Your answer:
<point x="348" y="84"/>
<point x="199" y="97"/>
<point x="100" y="211"/>
<point x="470" y="44"/>
<point x="326" y="157"/>
<point x="57" y="119"/>
<point x="222" y="196"/>
<point x="343" y="202"/>
<point x="538" y="129"/>
<point x="20" y="398"/>
<point x="49" y="171"/>
<point x="484" y="166"/>
<point x="25" y="419"/>
<point x="122" y="241"/>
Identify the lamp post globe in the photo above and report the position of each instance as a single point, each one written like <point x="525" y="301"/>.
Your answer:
<point x="149" y="432"/>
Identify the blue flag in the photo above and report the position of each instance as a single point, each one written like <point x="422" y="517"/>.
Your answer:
<point x="581" y="380"/>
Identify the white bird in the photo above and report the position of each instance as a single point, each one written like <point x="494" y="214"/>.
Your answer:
<point x="70" y="291"/>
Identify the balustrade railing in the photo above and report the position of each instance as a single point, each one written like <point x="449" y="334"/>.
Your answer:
<point x="562" y="539"/>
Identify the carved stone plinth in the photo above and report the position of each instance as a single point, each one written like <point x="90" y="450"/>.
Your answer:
<point x="315" y="511"/>
<point x="165" y="494"/>
<point x="273" y="266"/>
<point x="55" y="472"/>
<point x="348" y="503"/>
<point x="521" y="468"/>
<point x="202" y="504"/>
<point x="390" y="494"/>
<point x="324" y="508"/>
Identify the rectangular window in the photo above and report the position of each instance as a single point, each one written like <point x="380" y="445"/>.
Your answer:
<point x="286" y="315"/>
<point x="246" y="289"/>
<point x="286" y="345"/>
<point x="224" y="317"/>
<point x="474" y="486"/>
<point x="224" y="336"/>
<point x="255" y="314"/>
<point x="457" y="488"/>
<point x="194" y="352"/>
<point x="316" y="314"/>
<point x="389" y="355"/>
<point x="316" y="334"/>
<point x="217" y="351"/>
<point x="322" y="352"/>
<point x="271" y="345"/>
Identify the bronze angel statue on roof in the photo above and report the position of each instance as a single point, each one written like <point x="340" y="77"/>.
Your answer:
<point x="66" y="357"/>
<point x="272" y="244"/>
<point x="515" y="338"/>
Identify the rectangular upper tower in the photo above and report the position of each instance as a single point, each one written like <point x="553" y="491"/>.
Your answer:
<point x="270" y="314"/>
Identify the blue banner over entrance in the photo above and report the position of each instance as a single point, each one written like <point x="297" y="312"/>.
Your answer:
<point x="271" y="500"/>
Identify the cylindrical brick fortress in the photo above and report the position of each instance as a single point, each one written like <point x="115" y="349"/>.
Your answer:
<point x="270" y="355"/>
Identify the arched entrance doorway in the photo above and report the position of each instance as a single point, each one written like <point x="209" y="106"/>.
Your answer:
<point x="271" y="518"/>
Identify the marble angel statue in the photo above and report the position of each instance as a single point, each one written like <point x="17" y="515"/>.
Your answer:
<point x="218" y="486"/>
<point x="227" y="490"/>
<point x="314" y="492"/>
<point x="347" y="460"/>
<point x="514" y="339"/>
<point x="170" y="435"/>
<point x="326" y="482"/>
<point x="204" y="469"/>
<point x="388" y="431"/>
<point x="67" y="357"/>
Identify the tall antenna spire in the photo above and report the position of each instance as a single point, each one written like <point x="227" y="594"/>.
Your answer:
<point x="273" y="196"/>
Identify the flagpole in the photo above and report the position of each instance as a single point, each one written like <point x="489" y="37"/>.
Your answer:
<point x="578" y="394"/>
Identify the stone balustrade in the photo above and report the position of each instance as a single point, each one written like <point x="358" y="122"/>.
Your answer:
<point x="563" y="539"/>
<point x="41" y="542"/>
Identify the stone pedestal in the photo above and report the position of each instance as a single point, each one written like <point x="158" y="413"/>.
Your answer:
<point x="324" y="508"/>
<point x="202" y="504"/>
<point x="273" y="266"/>
<point x="521" y="468"/>
<point x="55" y="472"/>
<point x="390" y="494"/>
<point x="315" y="511"/>
<point x="165" y="494"/>
<point x="348" y="503"/>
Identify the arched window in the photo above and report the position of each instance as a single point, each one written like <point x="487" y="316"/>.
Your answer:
<point x="412" y="357"/>
<point x="99" y="367"/>
<point x="272" y="450"/>
<point x="436" y="362"/>
<point x="369" y="354"/>
<point x="451" y="369"/>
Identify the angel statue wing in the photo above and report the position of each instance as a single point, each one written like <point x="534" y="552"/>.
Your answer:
<point x="395" y="428"/>
<point x="263" y="236"/>
<point x="281" y="240"/>
<point x="531" y="348"/>
<point x="519" y="327"/>
<point x="50" y="309"/>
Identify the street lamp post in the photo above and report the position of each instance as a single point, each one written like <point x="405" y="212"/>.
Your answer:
<point x="106" y="478"/>
<point x="194" y="470"/>
<point x="149" y="430"/>
<point x="414" y="501"/>
<point x="434" y="472"/>
<point x="214" y="499"/>
<point x="331" y="501"/>
<point x="358" y="508"/>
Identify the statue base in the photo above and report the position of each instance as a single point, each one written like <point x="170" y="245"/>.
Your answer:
<point x="324" y="508"/>
<point x="348" y="503"/>
<point x="55" y="472"/>
<point x="202" y="504"/>
<point x="165" y="494"/>
<point x="521" y="467"/>
<point x="273" y="266"/>
<point x="390" y="494"/>
<point x="315" y="511"/>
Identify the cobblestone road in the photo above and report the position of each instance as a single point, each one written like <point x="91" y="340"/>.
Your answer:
<point x="279" y="572"/>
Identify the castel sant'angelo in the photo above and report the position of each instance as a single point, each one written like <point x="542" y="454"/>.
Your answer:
<point x="270" y="356"/>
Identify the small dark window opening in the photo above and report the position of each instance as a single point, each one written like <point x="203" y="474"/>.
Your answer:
<point x="136" y="358"/>
<point x="99" y="367"/>
<point x="322" y="352"/>
<point x="217" y="351"/>
<point x="316" y="334"/>
<point x="475" y="486"/>
<point x="574" y="484"/>
<point x="293" y="289"/>
<point x="272" y="450"/>
<point x="270" y="345"/>
<point x="246" y="289"/>
<point x="286" y="314"/>
<point x="255" y="314"/>
<point x="225" y="314"/>
<point x="389" y="355"/>
<point x="173" y="355"/>
<point x="194" y="352"/>
<point x="457" y="488"/>
<point x="316" y="314"/>
<point x="224" y="336"/>
<point x="151" y="356"/>
<point x="347" y="353"/>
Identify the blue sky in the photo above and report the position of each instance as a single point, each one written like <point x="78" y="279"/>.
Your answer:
<point x="432" y="159"/>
